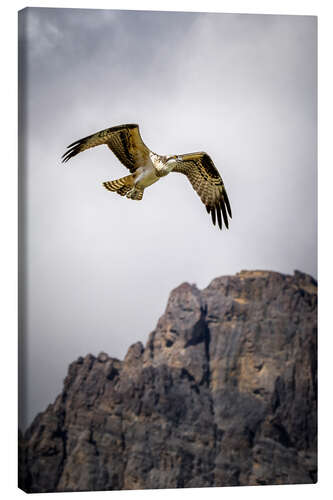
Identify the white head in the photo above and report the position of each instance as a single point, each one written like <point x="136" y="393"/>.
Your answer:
<point x="172" y="160"/>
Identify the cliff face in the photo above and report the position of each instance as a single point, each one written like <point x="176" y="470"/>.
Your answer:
<point x="224" y="393"/>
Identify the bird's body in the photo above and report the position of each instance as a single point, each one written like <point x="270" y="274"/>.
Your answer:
<point x="143" y="177"/>
<point x="147" y="168"/>
<point x="147" y="175"/>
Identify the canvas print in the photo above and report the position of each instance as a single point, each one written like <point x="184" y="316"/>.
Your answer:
<point x="167" y="250"/>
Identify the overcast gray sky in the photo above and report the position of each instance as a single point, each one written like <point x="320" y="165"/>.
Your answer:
<point x="100" y="267"/>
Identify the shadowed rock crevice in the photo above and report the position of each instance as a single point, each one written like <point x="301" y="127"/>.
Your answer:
<point x="224" y="393"/>
<point x="199" y="332"/>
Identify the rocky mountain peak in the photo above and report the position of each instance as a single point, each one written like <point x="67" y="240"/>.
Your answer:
<point x="223" y="393"/>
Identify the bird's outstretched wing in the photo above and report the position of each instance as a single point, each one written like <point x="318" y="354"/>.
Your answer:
<point x="207" y="182"/>
<point x="124" y="141"/>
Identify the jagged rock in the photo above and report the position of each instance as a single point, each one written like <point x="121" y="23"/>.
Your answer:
<point x="224" y="393"/>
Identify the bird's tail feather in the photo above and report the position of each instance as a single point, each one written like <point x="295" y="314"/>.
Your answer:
<point x="121" y="186"/>
<point x="124" y="187"/>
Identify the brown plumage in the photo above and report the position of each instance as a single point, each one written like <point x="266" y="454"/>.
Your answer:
<point x="207" y="182"/>
<point x="147" y="168"/>
<point x="124" y="141"/>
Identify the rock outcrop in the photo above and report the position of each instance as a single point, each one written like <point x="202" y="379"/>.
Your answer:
<point x="224" y="393"/>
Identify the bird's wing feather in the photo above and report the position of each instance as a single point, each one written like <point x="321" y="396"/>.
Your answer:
<point x="207" y="182"/>
<point x="124" y="141"/>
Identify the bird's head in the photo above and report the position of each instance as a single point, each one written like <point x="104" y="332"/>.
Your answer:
<point x="172" y="160"/>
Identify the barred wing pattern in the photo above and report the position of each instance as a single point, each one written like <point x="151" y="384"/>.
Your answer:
<point x="124" y="141"/>
<point x="207" y="182"/>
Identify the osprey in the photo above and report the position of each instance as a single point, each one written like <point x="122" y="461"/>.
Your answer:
<point x="147" y="167"/>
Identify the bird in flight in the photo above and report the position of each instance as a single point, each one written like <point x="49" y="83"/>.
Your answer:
<point x="147" y="167"/>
